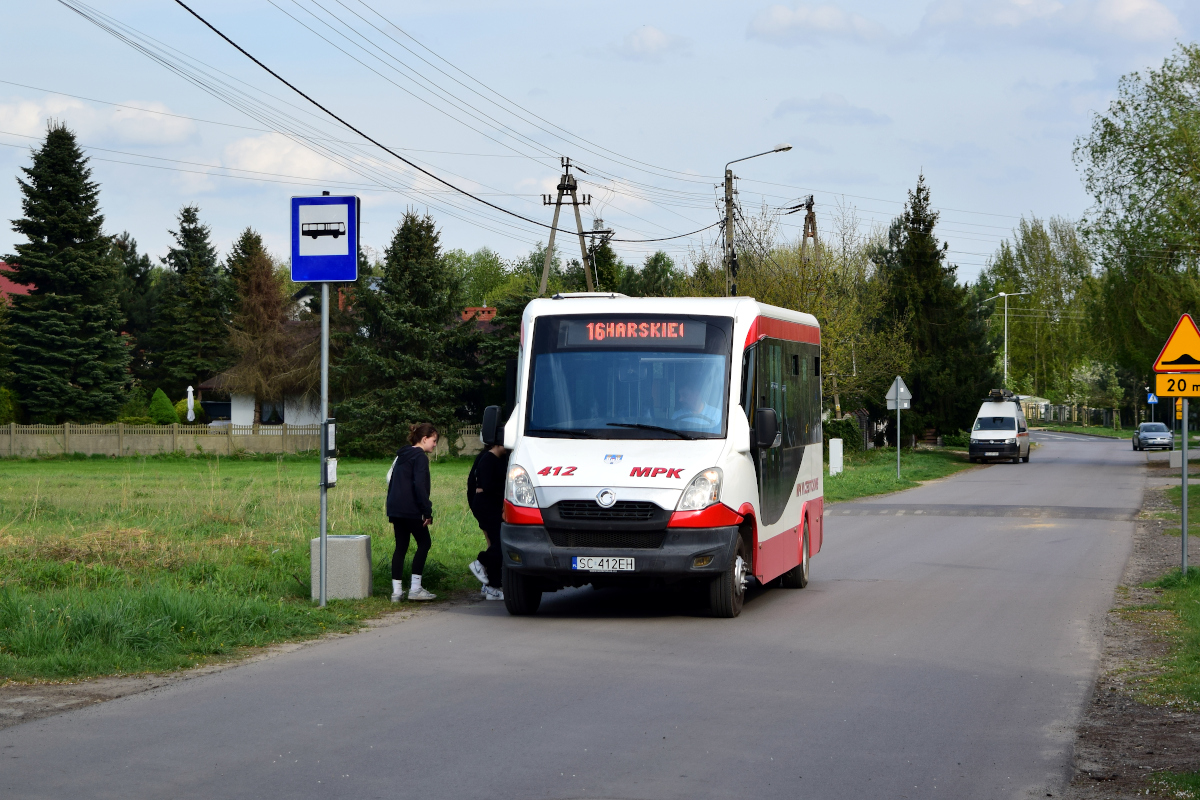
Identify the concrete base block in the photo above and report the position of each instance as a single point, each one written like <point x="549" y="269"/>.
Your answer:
<point x="1174" y="458"/>
<point x="348" y="574"/>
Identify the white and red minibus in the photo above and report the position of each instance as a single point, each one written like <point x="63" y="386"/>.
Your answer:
<point x="659" y="440"/>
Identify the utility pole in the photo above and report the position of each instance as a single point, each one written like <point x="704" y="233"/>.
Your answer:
<point x="566" y="187"/>
<point x="730" y="251"/>
<point x="810" y="229"/>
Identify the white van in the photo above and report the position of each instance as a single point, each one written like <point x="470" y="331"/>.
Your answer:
<point x="1000" y="430"/>
<point x="659" y="440"/>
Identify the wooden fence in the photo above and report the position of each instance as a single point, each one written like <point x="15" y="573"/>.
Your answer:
<point x="131" y="440"/>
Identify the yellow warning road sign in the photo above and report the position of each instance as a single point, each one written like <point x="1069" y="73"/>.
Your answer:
<point x="1181" y="353"/>
<point x="1167" y="384"/>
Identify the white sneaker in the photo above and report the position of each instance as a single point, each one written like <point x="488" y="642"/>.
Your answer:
<point x="493" y="594"/>
<point x="396" y="598"/>
<point x="421" y="594"/>
<point x="478" y="571"/>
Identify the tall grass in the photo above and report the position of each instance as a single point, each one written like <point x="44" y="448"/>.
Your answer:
<point x="123" y="565"/>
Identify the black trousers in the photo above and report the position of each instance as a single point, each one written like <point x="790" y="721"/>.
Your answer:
<point x="404" y="529"/>
<point x="490" y="558"/>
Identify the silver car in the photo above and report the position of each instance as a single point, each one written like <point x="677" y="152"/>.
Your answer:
<point x="1153" y="434"/>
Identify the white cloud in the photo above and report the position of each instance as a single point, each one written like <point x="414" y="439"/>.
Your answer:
<point x="830" y="109"/>
<point x="1079" y="22"/>
<point x="29" y="118"/>
<point x="275" y="153"/>
<point x="97" y="126"/>
<point x="648" y="43"/>
<point x="137" y="125"/>
<point x="811" y="24"/>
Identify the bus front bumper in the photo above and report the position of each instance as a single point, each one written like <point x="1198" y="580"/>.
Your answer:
<point x="530" y="550"/>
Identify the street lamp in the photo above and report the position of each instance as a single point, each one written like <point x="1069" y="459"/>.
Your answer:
<point x="729" y="253"/>
<point x="1006" y="295"/>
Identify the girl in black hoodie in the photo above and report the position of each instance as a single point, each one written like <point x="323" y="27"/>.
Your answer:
<point x="409" y="509"/>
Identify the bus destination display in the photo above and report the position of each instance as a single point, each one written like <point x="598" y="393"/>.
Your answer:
<point x="633" y="332"/>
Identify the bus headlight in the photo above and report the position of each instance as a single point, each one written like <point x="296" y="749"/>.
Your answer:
<point x="518" y="488"/>
<point x="1010" y="441"/>
<point x="702" y="492"/>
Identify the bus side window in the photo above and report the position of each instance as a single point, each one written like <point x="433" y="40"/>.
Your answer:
<point x="748" y="380"/>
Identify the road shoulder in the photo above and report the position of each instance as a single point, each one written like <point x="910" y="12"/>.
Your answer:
<point x="1120" y="742"/>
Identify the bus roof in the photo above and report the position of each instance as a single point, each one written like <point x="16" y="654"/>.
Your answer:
<point x="742" y="309"/>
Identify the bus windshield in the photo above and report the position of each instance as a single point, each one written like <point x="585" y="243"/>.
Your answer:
<point x="629" y="377"/>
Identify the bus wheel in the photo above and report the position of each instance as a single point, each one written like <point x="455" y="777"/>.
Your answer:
<point x="521" y="595"/>
<point x="727" y="591"/>
<point x="797" y="576"/>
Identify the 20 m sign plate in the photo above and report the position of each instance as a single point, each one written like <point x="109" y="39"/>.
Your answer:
<point x="1176" y="385"/>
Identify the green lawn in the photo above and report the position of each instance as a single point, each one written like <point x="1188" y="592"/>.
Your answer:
<point x="874" y="471"/>
<point x="128" y="565"/>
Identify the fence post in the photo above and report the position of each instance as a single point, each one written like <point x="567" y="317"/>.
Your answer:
<point x="174" y="436"/>
<point x="12" y="439"/>
<point x="229" y="436"/>
<point x="120" y="439"/>
<point x="66" y="438"/>
<point x="284" y="449"/>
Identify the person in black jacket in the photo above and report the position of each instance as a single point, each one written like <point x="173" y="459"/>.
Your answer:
<point x="485" y="495"/>
<point x="409" y="508"/>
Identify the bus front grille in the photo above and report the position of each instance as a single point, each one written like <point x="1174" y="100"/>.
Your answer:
<point x="623" y="510"/>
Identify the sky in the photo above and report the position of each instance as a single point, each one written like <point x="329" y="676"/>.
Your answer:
<point x="650" y="100"/>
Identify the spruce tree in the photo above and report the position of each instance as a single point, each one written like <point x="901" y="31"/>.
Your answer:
<point x="69" y="362"/>
<point x="953" y="364"/>
<point x="140" y="289"/>
<point x="192" y="331"/>
<point x="408" y="360"/>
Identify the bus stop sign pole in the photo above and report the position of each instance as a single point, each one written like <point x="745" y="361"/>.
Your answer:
<point x="325" y="236"/>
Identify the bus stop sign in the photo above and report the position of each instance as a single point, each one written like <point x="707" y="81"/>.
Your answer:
<point x="325" y="239"/>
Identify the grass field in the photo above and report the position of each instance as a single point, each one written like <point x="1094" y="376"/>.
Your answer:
<point x="874" y="471"/>
<point x="111" y="566"/>
<point x="127" y="565"/>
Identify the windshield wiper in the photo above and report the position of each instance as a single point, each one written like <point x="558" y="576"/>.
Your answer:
<point x="640" y="426"/>
<point x="579" y="432"/>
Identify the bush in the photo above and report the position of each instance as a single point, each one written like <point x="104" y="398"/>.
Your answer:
<point x="136" y="420"/>
<point x="8" y="406"/>
<point x="181" y="411"/>
<point x="960" y="439"/>
<point x="135" y="405"/>
<point x="845" y="429"/>
<point x="161" y="410"/>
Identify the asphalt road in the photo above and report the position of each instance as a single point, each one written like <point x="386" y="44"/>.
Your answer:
<point x="944" y="648"/>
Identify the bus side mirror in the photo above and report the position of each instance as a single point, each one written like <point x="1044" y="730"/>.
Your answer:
<point x="766" y="428"/>
<point x="491" y="426"/>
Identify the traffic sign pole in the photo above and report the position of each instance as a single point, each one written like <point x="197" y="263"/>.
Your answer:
<point x="897" y="441"/>
<point x="325" y="237"/>
<point x="324" y="438"/>
<point x="1184" y="529"/>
